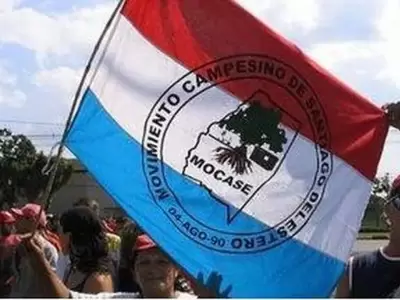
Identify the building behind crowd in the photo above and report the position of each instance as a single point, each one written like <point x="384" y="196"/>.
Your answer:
<point x="82" y="185"/>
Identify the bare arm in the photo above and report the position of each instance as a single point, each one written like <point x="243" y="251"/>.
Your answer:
<point x="99" y="283"/>
<point x="343" y="289"/>
<point x="55" y="288"/>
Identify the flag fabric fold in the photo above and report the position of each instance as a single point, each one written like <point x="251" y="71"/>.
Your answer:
<point x="230" y="147"/>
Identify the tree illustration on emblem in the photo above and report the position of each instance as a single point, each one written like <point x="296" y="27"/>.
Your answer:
<point x="255" y="126"/>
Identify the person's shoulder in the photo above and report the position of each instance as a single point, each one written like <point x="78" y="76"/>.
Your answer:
<point x="365" y="257"/>
<point x="50" y="253"/>
<point x="366" y="253"/>
<point x="113" y="236"/>
<point x="364" y="263"/>
<point x="100" y="276"/>
<point x="182" y="295"/>
<point x="124" y="295"/>
<point x="76" y="295"/>
<point x="50" y="248"/>
<point x="99" y="282"/>
<point x="113" y="242"/>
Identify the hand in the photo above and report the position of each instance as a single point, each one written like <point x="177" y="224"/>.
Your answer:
<point x="32" y="249"/>
<point x="393" y="112"/>
<point x="211" y="288"/>
<point x="52" y="285"/>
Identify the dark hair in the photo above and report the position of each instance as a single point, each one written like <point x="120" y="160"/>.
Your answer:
<point x="6" y="229"/>
<point x="126" y="282"/>
<point x="129" y="234"/>
<point x="88" y="244"/>
<point x="90" y="203"/>
<point x="53" y="223"/>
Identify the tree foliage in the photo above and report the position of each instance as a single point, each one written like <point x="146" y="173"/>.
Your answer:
<point x="21" y="165"/>
<point x="381" y="186"/>
<point x="255" y="126"/>
<point x="373" y="215"/>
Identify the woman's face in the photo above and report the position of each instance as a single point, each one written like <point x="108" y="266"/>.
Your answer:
<point x="154" y="272"/>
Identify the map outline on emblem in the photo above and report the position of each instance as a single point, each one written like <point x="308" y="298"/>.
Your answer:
<point x="154" y="168"/>
<point x="232" y="213"/>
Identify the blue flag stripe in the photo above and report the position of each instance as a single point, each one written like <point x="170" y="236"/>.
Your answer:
<point x="115" y="160"/>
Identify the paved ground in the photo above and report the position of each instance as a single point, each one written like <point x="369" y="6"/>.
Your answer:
<point x="368" y="245"/>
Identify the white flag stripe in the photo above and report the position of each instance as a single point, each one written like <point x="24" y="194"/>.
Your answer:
<point x="128" y="89"/>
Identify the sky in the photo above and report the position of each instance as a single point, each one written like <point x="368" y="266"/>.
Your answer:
<point x="44" y="46"/>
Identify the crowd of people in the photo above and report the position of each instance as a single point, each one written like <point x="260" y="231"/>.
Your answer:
<point x="80" y="255"/>
<point x="89" y="255"/>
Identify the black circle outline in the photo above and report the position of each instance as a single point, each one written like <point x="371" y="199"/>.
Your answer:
<point x="327" y="146"/>
<point x="177" y="198"/>
<point x="195" y="95"/>
<point x="181" y="107"/>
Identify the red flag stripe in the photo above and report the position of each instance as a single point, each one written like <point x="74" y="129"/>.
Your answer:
<point x="197" y="32"/>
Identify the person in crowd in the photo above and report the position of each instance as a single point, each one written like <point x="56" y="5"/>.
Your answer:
<point x="50" y="232"/>
<point x="53" y="238"/>
<point x="8" y="243"/>
<point x="376" y="274"/>
<point x="31" y="210"/>
<point x="119" y="224"/>
<point x="126" y="280"/>
<point x="63" y="258"/>
<point x="91" y="203"/>
<point x="114" y="246"/>
<point x="107" y="226"/>
<point x="113" y="240"/>
<point x="154" y="272"/>
<point x="25" y="284"/>
<point x="7" y="230"/>
<point x="53" y="222"/>
<point x="126" y="283"/>
<point x="85" y="243"/>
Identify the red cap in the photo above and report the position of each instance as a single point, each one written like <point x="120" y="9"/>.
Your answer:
<point x="144" y="242"/>
<point x="396" y="183"/>
<point x="17" y="212"/>
<point x="6" y="217"/>
<point x="31" y="210"/>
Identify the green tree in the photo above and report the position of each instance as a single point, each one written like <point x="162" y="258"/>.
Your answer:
<point x="21" y="165"/>
<point x="255" y="126"/>
<point x="381" y="186"/>
<point x="373" y="213"/>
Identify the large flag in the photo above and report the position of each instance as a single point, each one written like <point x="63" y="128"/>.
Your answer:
<point x="230" y="147"/>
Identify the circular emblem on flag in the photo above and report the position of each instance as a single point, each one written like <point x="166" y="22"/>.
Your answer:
<point x="241" y="162"/>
